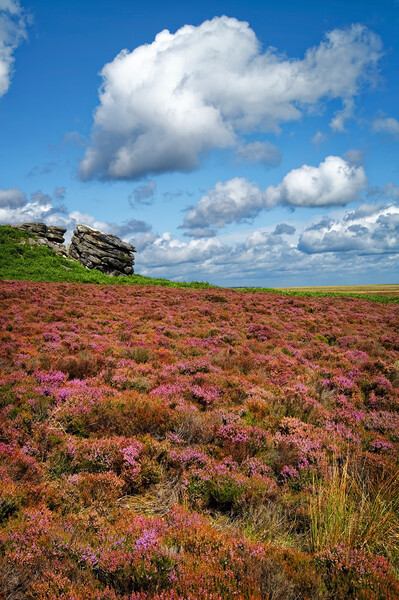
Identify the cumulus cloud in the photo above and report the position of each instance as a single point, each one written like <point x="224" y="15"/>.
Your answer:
<point x="392" y="190"/>
<point x="16" y="208"/>
<point x="13" y="30"/>
<point x="259" y="152"/>
<point x="387" y="125"/>
<point x="143" y="194"/>
<point x="132" y="227"/>
<point x="12" y="198"/>
<point x="165" y="104"/>
<point x="333" y="183"/>
<point x="166" y="250"/>
<point x="366" y="241"/>
<point x="367" y="230"/>
<point x="236" y="200"/>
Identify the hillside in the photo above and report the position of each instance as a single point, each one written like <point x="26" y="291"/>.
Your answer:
<point x="161" y="443"/>
<point x="23" y="262"/>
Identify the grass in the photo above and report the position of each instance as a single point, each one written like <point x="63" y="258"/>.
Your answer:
<point x="22" y="261"/>
<point x="345" y="510"/>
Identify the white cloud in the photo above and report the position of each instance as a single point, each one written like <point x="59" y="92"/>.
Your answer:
<point x="333" y="183"/>
<point x="165" y="104"/>
<point x="16" y="208"/>
<point x="12" y="198"/>
<point x="13" y="25"/>
<point x="168" y="251"/>
<point x="338" y="122"/>
<point x="386" y="125"/>
<point x="236" y="200"/>
<point x="259" y="152"/>
<point x="370" y="229"/>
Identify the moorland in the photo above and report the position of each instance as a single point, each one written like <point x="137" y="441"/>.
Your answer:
<point x="169" y="443"/>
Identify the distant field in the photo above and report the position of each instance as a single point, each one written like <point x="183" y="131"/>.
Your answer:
<point x="372" y="290"/>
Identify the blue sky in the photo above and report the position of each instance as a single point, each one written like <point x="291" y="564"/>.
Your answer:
<point x="238" y="143"/>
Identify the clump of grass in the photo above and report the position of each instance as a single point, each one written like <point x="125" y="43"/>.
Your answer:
<point x="345" y="510"/>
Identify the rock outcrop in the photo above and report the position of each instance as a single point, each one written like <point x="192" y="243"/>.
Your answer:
<point x="45" y="235"/>
<point x="96" y="250"/>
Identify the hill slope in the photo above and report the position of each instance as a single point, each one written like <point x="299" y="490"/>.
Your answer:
<point x="23" y="262"/>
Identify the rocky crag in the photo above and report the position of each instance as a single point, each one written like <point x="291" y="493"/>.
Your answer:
<point x="45" y="235"/>
<point x="93" y="249"/>
<point x="96" y="250"/>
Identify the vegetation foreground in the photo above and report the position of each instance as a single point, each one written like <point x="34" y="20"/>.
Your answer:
<point x="170" y="444"/>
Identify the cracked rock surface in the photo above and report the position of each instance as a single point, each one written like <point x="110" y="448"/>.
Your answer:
<point x="45" y="235"/>
<point x="96" y="250"/>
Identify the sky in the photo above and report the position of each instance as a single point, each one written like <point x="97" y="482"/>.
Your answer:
<point x="241" y="143"/>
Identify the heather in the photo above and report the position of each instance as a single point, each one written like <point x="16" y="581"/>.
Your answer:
<point x="169" y="444"/>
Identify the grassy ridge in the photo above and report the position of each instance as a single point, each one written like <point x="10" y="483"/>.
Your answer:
<point x="21" y="261"/>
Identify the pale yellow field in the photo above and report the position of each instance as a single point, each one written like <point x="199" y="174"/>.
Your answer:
<point x="372" y="290"/>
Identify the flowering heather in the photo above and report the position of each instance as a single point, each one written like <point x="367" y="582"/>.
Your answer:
<point x="169" y="444"/>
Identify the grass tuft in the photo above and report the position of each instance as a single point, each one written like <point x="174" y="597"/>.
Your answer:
<point x="345" y="510"/>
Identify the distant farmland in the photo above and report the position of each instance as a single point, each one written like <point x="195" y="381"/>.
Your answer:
<point x="372" y="290"/>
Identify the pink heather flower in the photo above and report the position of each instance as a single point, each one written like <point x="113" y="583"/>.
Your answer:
<point x="289" y="472"/>
<point x="132" y="452"/>
<point x="146" y="543"/>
